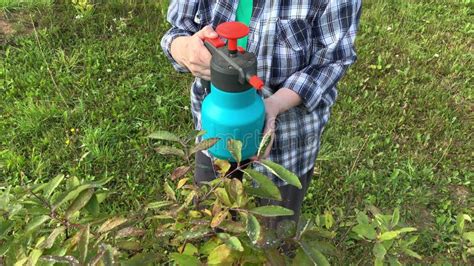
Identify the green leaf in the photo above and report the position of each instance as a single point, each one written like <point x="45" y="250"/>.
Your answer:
<point x="220" y="255"/>
<point x="204" y="145"/>
<point x="395" y="217"/>
<point x="301" y="259"/>
<point x="163" y="135"/>
<point x="362" y="218"/>
<point x="328" y="219"/>
<point x="379" y="251"/>
<point x="388" y="235"/>
<point x="469" y="236"/>
<point x="93" y="206"/>
<point x="378" y="262"/>
<point x="78" y="203"/>
<point x="412" y="253"/>
<point x="111" y="224"/>
<point x="109" y="256"/>
<point x="282" y="173"/>
<point x="52" y="185"/>
<point x="158" y="204"/>
<point x="223" y="197"/>
<point x="168" y="150"/>
<point x="103" y="181"/>
<point x="365" y="230"/>
<point x="235" y="148"/>
<point x="190" y="249"/>
<point x="5" y="227"/>
<point x="460" y="223"/>
<point x="406" y="230"/>
<point x="169" y="191"/>
<point x="234" y="243"/>
<point x="314" y="255"/>
<point x="131" y="245"/>
<point x="253" y="228"/>
<point x="35" y="254"/>
<point x="197" y="234"/>
<point x="35" y="223"/>
<point x="184" y="260"/>
<point x="272" y="211"/>
<point x="267" y="188"/>
<point x="52" y="237"/>
<point x="84" y="244"/>
<point x="71" y="194"/>
<point x="266" y="139"/>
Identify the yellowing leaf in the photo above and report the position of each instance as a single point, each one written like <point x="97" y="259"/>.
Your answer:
<point x="388" y="235"/>
<point x="217" y="220"/>
<point x="220" y="255"/>
<point x="111" y="224"/>
<point x="169" y="191"/>
<point x="181" y="183"/>
<point x="222" y="166"/>
<point x="168" y="150"/>
<point x="204" y="145"/>
<point x="235" y="148"/>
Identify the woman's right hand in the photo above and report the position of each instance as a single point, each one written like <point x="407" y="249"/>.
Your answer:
<point x="189" y="51"/>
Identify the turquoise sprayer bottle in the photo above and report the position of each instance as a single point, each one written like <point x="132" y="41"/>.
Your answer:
<point x="233" y="109"/>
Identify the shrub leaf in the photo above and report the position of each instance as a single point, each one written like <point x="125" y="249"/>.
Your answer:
<point x="282" y="173"/>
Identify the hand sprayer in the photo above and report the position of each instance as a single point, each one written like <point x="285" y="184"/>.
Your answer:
<point x="233" y="109"/>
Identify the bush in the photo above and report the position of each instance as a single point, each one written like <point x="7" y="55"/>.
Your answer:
<point x="216" y="223"/>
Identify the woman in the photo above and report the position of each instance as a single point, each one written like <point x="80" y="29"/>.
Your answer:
<point x="303" y="49"/>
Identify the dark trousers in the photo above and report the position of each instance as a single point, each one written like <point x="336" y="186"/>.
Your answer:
<point x="291" y="195"/>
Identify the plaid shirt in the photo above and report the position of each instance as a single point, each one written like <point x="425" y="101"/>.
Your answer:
<point x="305" y="46"/>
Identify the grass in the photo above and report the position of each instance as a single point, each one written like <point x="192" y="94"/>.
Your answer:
<point x="78" y="96"/>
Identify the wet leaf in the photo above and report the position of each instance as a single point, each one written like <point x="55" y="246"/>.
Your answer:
<point x="282" y="173"/>
<point x="180" y="172"/>
<point x="204" y="145"/>
<point x="271" y="211"/>
<point x="266" y="139"/>
<point x="235" y="148"/>
<point x="253" y="228"/>
<point x="267" y="189"/>
<point x="163" y="135"/>
<point x="168" y="150"/>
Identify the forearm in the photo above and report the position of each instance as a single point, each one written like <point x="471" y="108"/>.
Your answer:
<point x="284" y="99"/>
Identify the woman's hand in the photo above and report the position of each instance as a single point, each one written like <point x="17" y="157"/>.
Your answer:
<point x="189" y="51"/>
<point x="276" y="104"/>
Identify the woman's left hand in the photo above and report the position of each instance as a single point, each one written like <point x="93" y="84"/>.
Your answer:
<point x="276" y="104"/>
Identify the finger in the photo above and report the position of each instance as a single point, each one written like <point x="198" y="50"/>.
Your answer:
<point x="207" y="32"/>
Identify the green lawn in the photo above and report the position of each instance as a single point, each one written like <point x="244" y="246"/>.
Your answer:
<point x="79" y="95"/>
